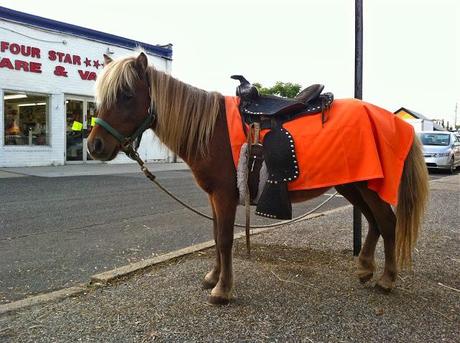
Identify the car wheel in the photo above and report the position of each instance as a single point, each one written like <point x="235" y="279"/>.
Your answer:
<point x="452" y="166"/>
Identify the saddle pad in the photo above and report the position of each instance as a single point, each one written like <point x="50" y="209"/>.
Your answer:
<point x="359" y="142"/>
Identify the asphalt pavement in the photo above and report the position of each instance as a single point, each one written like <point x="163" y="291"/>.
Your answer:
<point x="59" y="225"/>
<point x="298" y="286"/>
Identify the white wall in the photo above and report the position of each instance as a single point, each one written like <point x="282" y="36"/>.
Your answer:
<point x="57" y="88"/>
<point x="421" y="124"/>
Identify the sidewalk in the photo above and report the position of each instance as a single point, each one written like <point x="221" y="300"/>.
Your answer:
<point x="297" y="286"/>
<point x="89" y="169"/>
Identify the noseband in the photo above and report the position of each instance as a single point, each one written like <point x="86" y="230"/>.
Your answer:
<point x="127" y="143"/>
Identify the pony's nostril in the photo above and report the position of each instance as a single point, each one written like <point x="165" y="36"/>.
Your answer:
<point x="98" y="145"/>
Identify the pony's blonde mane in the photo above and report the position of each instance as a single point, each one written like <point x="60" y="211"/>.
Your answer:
<point x="186" y="115"/>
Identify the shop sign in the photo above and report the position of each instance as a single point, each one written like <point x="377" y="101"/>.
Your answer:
<point x="63" y="60"/>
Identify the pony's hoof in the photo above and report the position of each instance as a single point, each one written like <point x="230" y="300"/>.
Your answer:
<point x="364" y="276"/>
<point x="208" y="284"/>
<point x="385" y="285"/>
<point x="218" y="300"/>
<point x="210" y="280"/>
<point x="365" y="271"/>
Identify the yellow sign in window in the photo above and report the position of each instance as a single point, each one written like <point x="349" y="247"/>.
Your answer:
<point x="93" y="121"/>
<point x="77" y="126"/>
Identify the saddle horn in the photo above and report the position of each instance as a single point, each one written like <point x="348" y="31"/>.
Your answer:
<point x="245" y="90"/>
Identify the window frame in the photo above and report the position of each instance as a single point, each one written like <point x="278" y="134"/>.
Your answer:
<point x="49" y="100"/>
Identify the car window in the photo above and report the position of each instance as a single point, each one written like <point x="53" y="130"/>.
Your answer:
<point x="457" y="140"/>
<point x="441" y="139"/>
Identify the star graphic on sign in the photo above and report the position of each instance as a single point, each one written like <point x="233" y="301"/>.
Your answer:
<point x="88" y="62"/>
<point x="96" y="64"/>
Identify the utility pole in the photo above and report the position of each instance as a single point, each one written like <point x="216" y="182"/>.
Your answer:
<point x="357" y="217"/>
<point x="455" y="116"/>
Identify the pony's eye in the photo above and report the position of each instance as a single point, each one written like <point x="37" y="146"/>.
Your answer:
<point x="126" y="96"/>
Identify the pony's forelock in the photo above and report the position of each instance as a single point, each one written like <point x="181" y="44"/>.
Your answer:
<point x="118" y="75"/>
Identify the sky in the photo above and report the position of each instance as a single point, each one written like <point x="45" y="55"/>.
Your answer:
<point x="411" y="47"/>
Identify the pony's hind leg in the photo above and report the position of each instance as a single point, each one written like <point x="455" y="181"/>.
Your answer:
<point x="366" y="258"/>
<point x="225" y="209"/>
<point x="386" y="222"/>
<point x="211" y="278"/>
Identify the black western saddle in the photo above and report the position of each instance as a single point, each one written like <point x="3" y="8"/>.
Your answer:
<point x="278" y="147"/>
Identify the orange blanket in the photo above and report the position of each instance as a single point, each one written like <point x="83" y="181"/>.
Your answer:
<point x="358" y="142"/>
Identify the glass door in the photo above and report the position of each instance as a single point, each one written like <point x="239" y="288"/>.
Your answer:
<point x="80" y="116"/>
<point x="88" y="125"/>
<point x="74" y="130"/>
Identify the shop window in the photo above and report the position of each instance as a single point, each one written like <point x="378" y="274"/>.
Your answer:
<point x="26" y="119"/>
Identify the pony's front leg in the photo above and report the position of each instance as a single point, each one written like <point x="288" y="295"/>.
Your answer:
<point x="225" y="207"/>
<point x="211" y="278"/>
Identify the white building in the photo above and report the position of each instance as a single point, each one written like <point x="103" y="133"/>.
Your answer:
<point x="418" y="120"/>
<point x="47" y="74"/>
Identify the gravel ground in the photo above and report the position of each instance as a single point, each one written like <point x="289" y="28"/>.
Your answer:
<point x="298" y="286"/>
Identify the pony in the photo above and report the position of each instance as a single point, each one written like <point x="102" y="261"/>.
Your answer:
<point x="192" y="123"/>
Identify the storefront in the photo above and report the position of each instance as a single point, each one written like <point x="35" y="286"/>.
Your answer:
<point x="47" y="75"/>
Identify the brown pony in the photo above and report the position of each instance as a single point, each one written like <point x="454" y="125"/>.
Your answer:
<point x="192" y="123"/>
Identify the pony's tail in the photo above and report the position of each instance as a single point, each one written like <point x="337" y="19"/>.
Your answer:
<point x="413" y="195"/>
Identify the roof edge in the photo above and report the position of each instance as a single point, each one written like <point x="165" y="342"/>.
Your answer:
<point x="420" y="116"/>
<point x="164" y="51"/>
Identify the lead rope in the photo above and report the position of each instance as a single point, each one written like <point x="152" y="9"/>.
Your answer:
<point x="247" y="195"/>
<point x="128" y="150"/>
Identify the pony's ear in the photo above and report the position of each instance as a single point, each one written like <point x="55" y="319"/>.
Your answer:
<point x="141" y="63"/>
<point x="107" y="59"/>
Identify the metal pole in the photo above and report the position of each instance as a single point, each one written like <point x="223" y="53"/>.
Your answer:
<point x="357" y="225"/>
<point x="455" y="118"/>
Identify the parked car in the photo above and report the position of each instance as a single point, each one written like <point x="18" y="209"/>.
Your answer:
<point x="441" y="149"/>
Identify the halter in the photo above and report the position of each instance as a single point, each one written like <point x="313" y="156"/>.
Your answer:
<point x="126" y="142"/>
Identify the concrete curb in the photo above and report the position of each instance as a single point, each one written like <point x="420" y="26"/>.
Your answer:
<point x="43" y="298"/>
<point x="102" y="279"/>
<point x="72" y="170"/>
<point x="114" y="274"/>
<point x="9" y="175"/>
